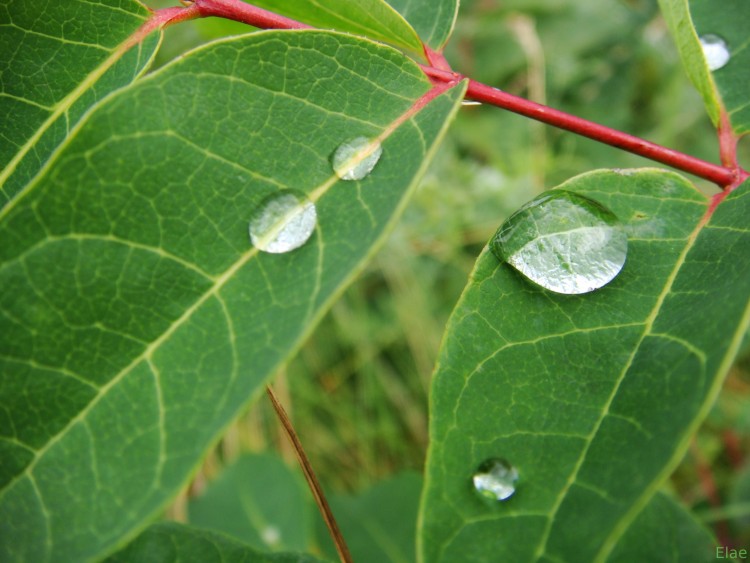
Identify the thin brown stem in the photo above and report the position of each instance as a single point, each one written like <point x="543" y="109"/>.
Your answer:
<point x="312" y="480"/>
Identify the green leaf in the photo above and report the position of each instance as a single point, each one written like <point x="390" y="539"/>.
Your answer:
<point x="137" y="319"/>
<point x="727" y="86"/>
<point x="57" y="59"/>
<point x="433" y="19"/>
<point x="563" y="387"/>
<point x="379" y="524"/>
<point x="665" y="532"/>
<point x="370" y="18"/>
<point x="172" y="543"/>
<point x="260" y="501"/>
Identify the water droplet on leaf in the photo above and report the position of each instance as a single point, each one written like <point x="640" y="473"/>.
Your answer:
<point x="355" y="158"/>
<point x="495" y="479"/>
<point x="270" y="535"/>
<point x="470" y="103"/>
<point x="564" y="242"/>
<point x="716" y="51"/>
<point x="282" y="222"/>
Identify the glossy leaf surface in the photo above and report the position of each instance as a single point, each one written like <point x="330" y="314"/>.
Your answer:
<point x="56" y="60"/>
<point x="370" y="18"/>
<point x="726" y="87"/>
<point x="175" y="543"/>
<point x="433" y="19"/>
<point x="137" y="318"/>
<point x="592" y="398"/>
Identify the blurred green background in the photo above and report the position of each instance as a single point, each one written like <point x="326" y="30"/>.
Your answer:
<point x="357" y="391"/>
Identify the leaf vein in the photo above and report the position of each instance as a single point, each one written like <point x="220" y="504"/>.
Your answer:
<point x="648" y="326"/>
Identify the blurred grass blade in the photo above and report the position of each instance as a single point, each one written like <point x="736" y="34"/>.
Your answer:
<point x="591" y="398"/>
<point x="171" y="542"/>
<point x="371" y="18"/>
<point x="137" y="318"/>
<point x="58" y="60"/>
<point x="433" y="19"/>
<point x="725" y="87"/>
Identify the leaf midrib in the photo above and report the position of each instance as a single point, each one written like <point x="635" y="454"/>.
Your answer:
<point x="624" y="522"/>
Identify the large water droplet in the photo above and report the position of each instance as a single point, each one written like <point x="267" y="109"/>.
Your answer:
<point x="282" y="222"/>
<point x="716" y="51"/>
<point x="564" y="242"/>
<point x="495" y="479"/>
<point x="355" y="158"/>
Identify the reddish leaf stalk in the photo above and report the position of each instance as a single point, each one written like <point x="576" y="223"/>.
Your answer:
<point x="728" y="176"/>
<point x="162" y="18"/>
<point x="436" y="59"/>
<point x="727" y="142"/>
<point x="239" y="11"/>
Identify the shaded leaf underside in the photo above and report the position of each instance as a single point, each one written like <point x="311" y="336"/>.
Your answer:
<point x="370" y="18"/>
<point x="591" y="397"/>
<point x="432" y="19"/>
<point x="731" y="22"/>
<point x="726" y="87"/>
<point x="137" y="319"/>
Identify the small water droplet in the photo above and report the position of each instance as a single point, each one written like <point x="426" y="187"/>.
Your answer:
<point x="470" y="103"/>
<point x="716" y="51"/>
<point x="564" y="242"/>
<point x="495" y="479"/>
<point x="355" y="158"/>
<point x="282" y="222"/>
<point x="271" y="536"/>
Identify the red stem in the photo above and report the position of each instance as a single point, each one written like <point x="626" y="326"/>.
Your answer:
<point x="162" y="18"/>
<point x="239" y="11"/>
<point x="717" y="174"/>
<point x="728" y="176"/>
<point x="482" y="93"/>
